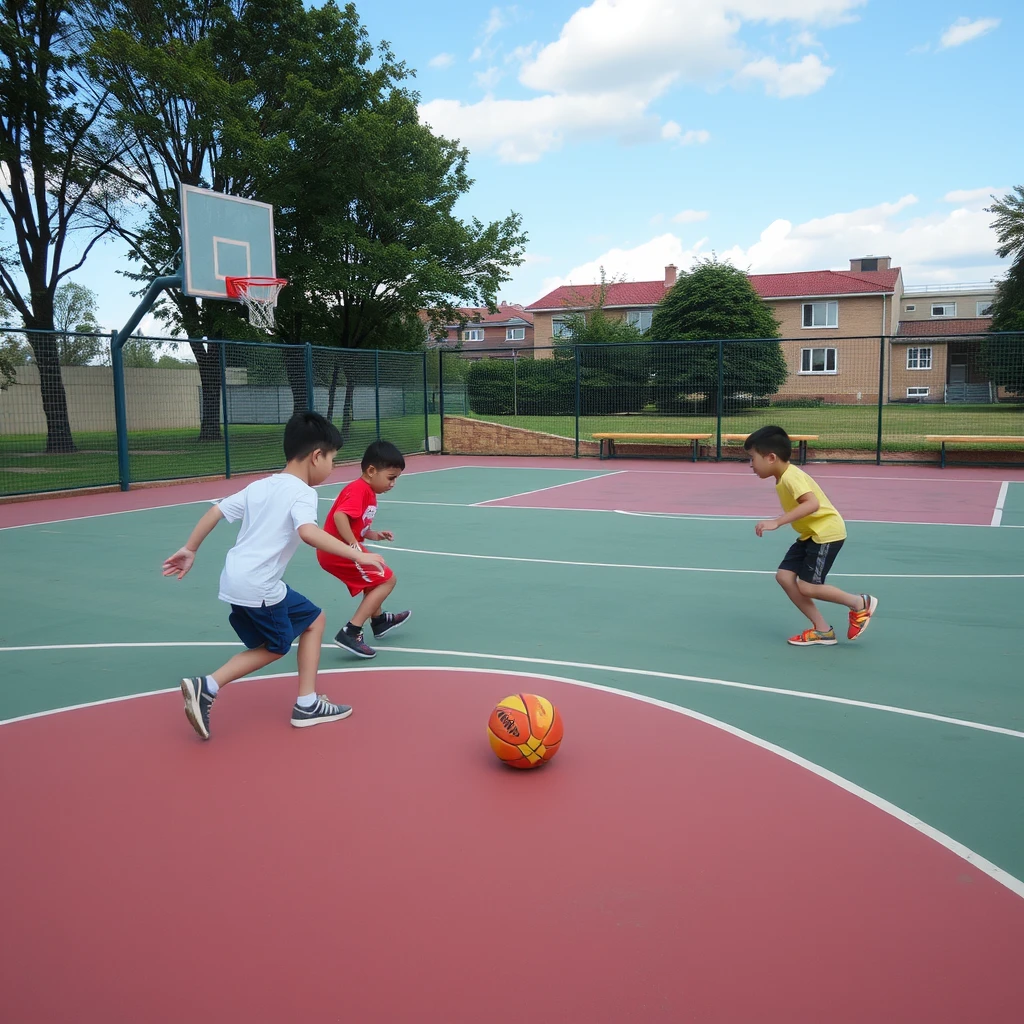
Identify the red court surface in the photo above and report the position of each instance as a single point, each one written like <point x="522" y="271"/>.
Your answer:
<point x="389" y="869"/>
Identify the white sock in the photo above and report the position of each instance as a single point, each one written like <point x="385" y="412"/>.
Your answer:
<point x="212" y="686"/>
<point x="306" y="700"/>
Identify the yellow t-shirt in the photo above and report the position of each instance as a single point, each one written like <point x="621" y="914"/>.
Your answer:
<point x="823" y="526"/>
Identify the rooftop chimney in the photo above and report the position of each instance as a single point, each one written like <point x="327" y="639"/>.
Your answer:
<point x="866" y="263"/>
<point x="670" y="275"/>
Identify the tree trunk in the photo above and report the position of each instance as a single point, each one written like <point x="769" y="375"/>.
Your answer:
<point x="347" y="408"/>
<point x="332" y="391"/>
<point x="51" y="386"/>
<point x="209" y="375"/>
<point x="295" y="368"/>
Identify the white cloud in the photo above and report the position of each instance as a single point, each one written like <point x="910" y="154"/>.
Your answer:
<point x="533" y="258"/>
<point x="944" y="247"/>
<point x="786" y="80"/>
<point x="614" y="58"/>
<point x="963" y="30"/>
<point x="488" y="79"/>
<point x="972" y="197"/>
<point x="671" y="132"/>
<point x="441" y="61"/>
<point x="689" y="216"/>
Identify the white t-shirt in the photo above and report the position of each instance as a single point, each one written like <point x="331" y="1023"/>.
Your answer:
<point x="271" y="510"/>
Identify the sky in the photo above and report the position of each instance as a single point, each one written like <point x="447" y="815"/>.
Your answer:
<point x="782" y="135"/>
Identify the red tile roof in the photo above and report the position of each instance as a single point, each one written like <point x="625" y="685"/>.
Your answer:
<point x="955" y="326"/>
<point x="768" y="286"/>
<point x="506" y="311"/>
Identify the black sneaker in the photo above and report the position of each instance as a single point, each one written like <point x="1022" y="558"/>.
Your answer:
<point x="197" y="704"/>
<point x="382" y="624"/>
<point x="354" y="643"/>
<point x="322" y="711"/>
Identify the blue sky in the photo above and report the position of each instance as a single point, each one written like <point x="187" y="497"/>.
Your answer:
<point x="783" y="134"/>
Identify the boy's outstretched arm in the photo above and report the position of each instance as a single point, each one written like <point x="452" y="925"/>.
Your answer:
<point x="323" y="541"/>
<point x="807" y="504"/>
<point x="181" y="561"/>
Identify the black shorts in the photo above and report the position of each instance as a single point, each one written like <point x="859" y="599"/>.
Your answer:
<point x="811" y="561"/>
<point x="274" y="626"/>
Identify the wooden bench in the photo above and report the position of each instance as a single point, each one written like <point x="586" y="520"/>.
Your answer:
<point x="802" y="438"/>
<point x="612" y="437"/>
<point x="971" y="439"/>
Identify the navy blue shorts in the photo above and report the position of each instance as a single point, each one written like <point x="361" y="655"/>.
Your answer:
<point x="274" y="626"/>
<point x="811" y="561"/>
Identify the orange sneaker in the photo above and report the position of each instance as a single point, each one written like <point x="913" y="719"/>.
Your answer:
<point x="814" y="637"/>
<point x="859" y="621"/>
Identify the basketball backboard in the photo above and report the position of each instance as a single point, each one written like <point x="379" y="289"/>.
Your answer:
<point x="223" y="236"/>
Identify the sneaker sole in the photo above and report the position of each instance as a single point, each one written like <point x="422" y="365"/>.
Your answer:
<point x="812" y="643"/>
<point x="863" y="629"/>
<point x="358" y="654"/>
<point x="391" y="628"/>
<point x="305" y="723"/>
<point x="192" y="712"/>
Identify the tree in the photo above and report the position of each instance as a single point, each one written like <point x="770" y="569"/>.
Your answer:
<point x="713" y="301"/>
<point x="12" y="351"/>
<point x="74" y="316"/>
<point x="55" y="156"/>
<point x="1003" y="355"/>
<point x="297" y="108"/>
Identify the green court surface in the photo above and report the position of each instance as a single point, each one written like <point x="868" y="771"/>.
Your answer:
<point x="925" y="711"/>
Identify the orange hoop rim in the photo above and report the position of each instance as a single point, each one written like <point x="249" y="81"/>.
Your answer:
<point x="237" y="287"/>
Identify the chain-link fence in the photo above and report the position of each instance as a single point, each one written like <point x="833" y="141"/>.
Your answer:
<point x="872" y="399"/>
<point x="191" y="408"/>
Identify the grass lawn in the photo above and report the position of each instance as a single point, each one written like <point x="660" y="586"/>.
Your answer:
<point x="169" y="454"/>
<point x="839" y="426"/>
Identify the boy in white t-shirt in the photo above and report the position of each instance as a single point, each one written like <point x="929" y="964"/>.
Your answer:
<point x="276" y="512"/>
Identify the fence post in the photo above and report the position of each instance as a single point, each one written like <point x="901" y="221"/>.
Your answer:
<point x="721" y="401"/>
<point x="440" y="390"/>
<point x="576" y="356"/>
<point x="224" y="406"/>
<point x="310" y="402"/>
<point x="881" y="387"/>
<point x="426" y="407"/>
<point x="120" y="413"/>
<point x="376" y="388"/>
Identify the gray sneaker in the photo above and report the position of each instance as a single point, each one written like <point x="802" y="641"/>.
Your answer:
<point x="197" y="704"/>
<point x="322" y="711"/>
<point x="354" y="644"/>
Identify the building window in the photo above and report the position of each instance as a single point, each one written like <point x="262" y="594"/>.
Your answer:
<point x="918" y="392"/>
<point x="473" y="334"/>
<point x="818" y="360"/>
<point x="943" y="309"/>
<point x="919" y="358"/>
<point x="910" y="308"/>
<point x="821" y="314"/>
<point x="640" y="319"/>
<point x="515" y="333"/>
<point x="984" y="308"/>
<point x="561" y="328"/>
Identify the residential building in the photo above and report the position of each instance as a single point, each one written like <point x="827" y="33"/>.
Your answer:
<point x="508" y="331"/>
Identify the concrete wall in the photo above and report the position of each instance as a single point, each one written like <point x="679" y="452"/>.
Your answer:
<point x="966" y="304"/>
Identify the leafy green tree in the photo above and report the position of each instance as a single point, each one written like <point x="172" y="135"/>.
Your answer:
<point x="1003" y="356"/>
<point x="714" y="300"/>
<point x="56" y="155"/>
<point x="13" y="352"/>
<point x="74" y="315"/>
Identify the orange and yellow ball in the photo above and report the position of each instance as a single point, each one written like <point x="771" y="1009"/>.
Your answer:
<point x="525" y="730"/>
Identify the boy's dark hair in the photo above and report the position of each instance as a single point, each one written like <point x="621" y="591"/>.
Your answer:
<point x="770" y="441"/>
<point x="382" y="455"/>
<point x="307" y="432"/>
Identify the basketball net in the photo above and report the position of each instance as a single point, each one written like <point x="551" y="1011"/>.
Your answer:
<point x="259" y="295"/>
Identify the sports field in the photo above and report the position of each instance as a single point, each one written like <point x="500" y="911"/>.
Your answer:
<point x="733" y="830"/>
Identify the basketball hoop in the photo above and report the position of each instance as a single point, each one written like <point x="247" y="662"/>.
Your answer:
<point x="259" y="295"/>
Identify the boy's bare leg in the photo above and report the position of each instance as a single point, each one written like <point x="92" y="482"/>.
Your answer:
<point x="794" y="591"/>
<point x="826" y="592"/>
<point x="372" y="602"/>
<point x="309" y="655"/>
<point x="242" y="664"/>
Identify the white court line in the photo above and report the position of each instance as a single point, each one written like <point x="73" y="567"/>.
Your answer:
<point x="567" y="483"/>
<point x="982" y="864"/>
<point x="693" y="568"/>
<point x="522" y="660"/>
<point x="997" y="515"/>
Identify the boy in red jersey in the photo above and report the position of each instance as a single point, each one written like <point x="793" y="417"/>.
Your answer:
<point x="351" y="520"/>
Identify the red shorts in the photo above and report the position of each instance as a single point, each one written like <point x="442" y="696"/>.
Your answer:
<point x="358" y="578"/>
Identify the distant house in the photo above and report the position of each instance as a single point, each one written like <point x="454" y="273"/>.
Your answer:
<point x="498" y="335"/>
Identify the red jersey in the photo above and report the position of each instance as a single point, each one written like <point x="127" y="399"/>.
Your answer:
<point x="357" y="501"/>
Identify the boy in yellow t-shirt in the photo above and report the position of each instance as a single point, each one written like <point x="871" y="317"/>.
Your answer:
<point x="821" y="534"/>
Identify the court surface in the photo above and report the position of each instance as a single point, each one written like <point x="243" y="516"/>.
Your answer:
<point x="733" y="830"/>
